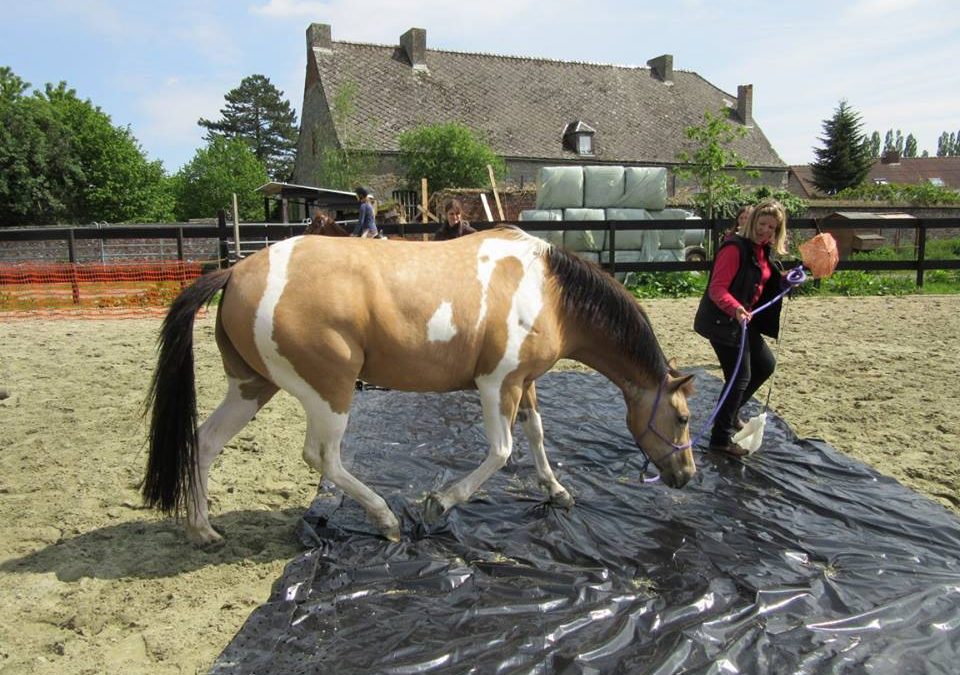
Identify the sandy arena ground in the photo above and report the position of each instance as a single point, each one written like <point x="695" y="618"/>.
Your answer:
<point x="92" y="583"/>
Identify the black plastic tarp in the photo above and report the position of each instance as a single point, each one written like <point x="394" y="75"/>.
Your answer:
<point x="795" y="560"/>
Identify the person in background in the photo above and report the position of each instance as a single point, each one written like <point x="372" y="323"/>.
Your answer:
<point x="366" y="222"/>
<point x="743" y="277"/>
<point x="743" y="219"/>
<point x="455" y="226"/>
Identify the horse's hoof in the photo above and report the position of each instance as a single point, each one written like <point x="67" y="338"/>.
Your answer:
<point x="432" y="509"/>
<point x="205" y="537"/>
<point x="562" y="499"/>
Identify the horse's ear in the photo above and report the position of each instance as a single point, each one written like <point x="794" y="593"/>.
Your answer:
<point x="684" y="383"/>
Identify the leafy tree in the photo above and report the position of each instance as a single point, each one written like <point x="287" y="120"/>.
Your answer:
<point x="710" y="163"/>
<point x="121" y="185"/>
<point x="910" y="147"/>
<point x="62" y="160"/>
<point x="347" y="161"/>
<point x="923" y="194"/>
<point x="207" y="182"/>
<point x="893" y="143"/>
<point x="875" y="145"/>
<point x="257" y="113"/>
<point x="845" y="160"/>
<point x="448" y="155"/>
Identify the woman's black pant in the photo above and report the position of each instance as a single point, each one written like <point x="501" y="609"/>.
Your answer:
<point x="756" y="368"/>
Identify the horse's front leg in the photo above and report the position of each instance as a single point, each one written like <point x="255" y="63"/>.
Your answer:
<point x="321" y="450"/>
<point x="532" y="427"/>
<point x="499" y="402"/>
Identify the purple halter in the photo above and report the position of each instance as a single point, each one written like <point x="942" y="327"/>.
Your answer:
<point x="676" y="447"/>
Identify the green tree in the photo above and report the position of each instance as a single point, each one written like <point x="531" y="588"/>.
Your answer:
<point x="448" y="155"/>
<point x="875" y="145"/>
<point x="910" y="146"/>
<point x="257" y="113"/>
<point x="346" y="161"/>
<point x="207" y="182"/>
<point x="62" y="160"/>
<point x="121" y="184"/>
<point x="710" y="164"/>
<point x="845" y="160"/>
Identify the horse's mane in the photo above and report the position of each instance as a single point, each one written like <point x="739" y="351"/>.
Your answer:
<point x="596" y="299"/>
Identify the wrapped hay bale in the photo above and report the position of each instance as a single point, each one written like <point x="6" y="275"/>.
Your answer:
<point x="554" y="237"/>
<point x="560" y="187"/>
<point x="634" y="240"/>
<point x="584" y="240"/>
<point x="602" y="186"/>
<point x="644" y="187"/>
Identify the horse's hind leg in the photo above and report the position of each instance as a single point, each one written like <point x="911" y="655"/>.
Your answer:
<point x="321" y="451"/>
<point x="247" y="392"/>
<point x="532" y="427"/>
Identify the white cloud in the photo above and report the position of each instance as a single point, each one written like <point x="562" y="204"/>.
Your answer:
<point x="169" y="116"/>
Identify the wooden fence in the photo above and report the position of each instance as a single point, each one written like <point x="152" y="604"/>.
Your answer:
<point x="221" y="237"/>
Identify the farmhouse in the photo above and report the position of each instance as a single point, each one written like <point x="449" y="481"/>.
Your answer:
<point x="532" y="111"/>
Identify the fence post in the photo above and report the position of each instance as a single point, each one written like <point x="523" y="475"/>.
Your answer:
<point x="72" y="256"/>
<point x="222" y="236"/>
<point x="612" y="246"/>
<point x="921" y="250"/>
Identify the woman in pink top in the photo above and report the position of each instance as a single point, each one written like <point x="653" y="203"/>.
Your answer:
<point x="742" y="278"/>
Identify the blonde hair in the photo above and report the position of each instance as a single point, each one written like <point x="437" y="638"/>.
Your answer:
<point x="770" y="207"/>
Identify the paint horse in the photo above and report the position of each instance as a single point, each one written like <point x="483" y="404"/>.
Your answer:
<point x="311" y="315"/>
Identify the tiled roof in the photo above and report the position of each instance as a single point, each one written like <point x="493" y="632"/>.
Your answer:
<point x="916" y="170"/>
<point x="908" y="171"/>
<point x="522" y="105"/>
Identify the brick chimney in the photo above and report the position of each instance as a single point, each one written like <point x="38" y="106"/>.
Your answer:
<point x="414" y="44"/>
<point x="745" y="104"/>
<point x="318" y="37"/>
<point x="662" y="68"/>
<point x="890" y="157"/>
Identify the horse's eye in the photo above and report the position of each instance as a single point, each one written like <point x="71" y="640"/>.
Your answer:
<point x="682" y="420"/>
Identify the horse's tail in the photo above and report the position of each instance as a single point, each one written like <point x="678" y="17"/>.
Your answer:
<point x="172" y="398"/>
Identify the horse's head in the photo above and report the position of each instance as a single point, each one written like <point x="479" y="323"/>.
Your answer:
<point x="659" y="420"/>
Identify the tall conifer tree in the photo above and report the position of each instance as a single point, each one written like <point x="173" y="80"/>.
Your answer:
<point x="845" y="160"/>
<point x="257" y="113"/>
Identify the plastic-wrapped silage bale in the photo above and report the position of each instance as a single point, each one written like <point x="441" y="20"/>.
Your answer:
<point x="560" y="187"/>
<point x="644" y="187"/>
<point x="554" y="237"/>
<point x="602" y="186"/>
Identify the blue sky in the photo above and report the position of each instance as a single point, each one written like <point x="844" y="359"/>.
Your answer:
<point x="159" y="66"/>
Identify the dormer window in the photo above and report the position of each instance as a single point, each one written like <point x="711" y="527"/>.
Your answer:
<point x="578" y="138"/>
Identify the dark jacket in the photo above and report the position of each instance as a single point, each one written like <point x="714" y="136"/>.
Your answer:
<point x="714" y="324"/>
<point x="447" y="231"/>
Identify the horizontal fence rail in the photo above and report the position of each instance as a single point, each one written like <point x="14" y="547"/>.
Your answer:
<point x="221" y="236"/>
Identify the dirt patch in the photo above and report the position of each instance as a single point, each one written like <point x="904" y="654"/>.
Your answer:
<point x="92" y="583"/>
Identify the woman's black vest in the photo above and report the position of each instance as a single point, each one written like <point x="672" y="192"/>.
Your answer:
<point x="714" y="324"/>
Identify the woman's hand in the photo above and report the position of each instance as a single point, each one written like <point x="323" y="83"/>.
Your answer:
<point x="743" y="315"/>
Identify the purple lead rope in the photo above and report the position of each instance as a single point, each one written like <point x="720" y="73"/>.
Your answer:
<point x="794" y="278"/>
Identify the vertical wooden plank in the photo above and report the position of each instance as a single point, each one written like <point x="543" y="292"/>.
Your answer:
<point x="222" y="236"/>
<point x="72" y="254"/>
<point x="496" y="195"/>
<point x="424" y="201"/>
<point x="921" y="251"/>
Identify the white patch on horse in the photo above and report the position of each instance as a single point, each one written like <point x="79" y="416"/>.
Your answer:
<point x="440" y="327"/>
<point x="527" y="301"/>
<point x="281" y="370"/>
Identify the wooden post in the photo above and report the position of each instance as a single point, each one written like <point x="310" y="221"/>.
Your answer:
<point x="72" y="253"/>
<point x="236" y="228"/>
<point x="222" y="236"/>
<point x="496" y="195"/>
<point x="486" y="207"/>
<point x="424" y="204"/>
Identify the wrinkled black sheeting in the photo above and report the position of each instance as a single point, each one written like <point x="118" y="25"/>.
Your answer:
<point x="796" y="560"/>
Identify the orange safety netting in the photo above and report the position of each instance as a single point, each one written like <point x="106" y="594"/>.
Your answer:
<point x="72" y="290"/>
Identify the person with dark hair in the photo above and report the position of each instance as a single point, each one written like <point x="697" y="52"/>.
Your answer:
<point x="743" y="277"/>
<point x="366" y="222"/>
<point x="455" y="226"/>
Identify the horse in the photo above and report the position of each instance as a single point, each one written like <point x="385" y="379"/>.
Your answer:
<point x="326" y="226"/>
<point x="312" y="315"/>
